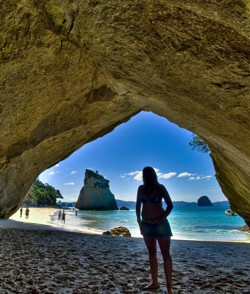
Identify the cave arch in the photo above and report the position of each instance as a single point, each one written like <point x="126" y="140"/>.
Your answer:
<point x="146" y="139"/>
<point x="71" y="72"/>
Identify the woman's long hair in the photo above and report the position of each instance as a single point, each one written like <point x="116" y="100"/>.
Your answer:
<point x="149" y="177"/>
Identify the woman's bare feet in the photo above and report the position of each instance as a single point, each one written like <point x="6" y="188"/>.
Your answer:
<point x="151" y="286"/>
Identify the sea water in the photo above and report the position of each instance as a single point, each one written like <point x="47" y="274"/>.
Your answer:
<point x="201" y="223"/>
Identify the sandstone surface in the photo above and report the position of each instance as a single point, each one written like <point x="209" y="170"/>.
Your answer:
<point x="73" y="70"/>
<point x="245" y="228"/>
<point x="95" y="194"/>
<point x="118" y="231"/>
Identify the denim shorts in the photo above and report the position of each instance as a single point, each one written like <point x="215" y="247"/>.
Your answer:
<point x="162" y="230"/>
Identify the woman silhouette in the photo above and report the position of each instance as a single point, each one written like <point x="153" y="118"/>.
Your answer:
<point x="154" y="225"/>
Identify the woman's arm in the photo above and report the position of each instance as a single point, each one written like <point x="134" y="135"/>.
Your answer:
<point x="168" y="201"/>
<point x="165" y="213"/>
<point x="138" y="204"/>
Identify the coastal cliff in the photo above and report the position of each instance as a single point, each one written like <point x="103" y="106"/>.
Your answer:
<point x="95" y="194"/>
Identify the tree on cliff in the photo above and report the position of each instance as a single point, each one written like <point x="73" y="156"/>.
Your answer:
<point x="43" y="194"/>
<point x="198" y="144"/>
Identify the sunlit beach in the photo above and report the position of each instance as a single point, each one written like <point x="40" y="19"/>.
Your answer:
<point x="50" y="259"/>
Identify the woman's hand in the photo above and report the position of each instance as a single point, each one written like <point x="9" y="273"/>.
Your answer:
<point x="141" y="227"/>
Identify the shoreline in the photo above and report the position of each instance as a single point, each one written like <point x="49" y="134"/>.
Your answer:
<point x="42" y="259"/>
<point x="44" y="215"/>
<point x="19" y="225"/>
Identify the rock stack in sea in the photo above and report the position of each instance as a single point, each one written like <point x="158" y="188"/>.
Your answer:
<point x="204" y="201"/>
<point x="95" y="194"/>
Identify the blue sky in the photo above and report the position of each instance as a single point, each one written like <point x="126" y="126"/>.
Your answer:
<point x="146" y="139"/>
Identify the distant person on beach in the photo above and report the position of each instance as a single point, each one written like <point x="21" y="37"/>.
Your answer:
<point x="154" y="225"/>
<point x="59" y="214"/>
<point x="21" y="212"/>
<point x="27" y="212"/>
<point x="63" y="216"/>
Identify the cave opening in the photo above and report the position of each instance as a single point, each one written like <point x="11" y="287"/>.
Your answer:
<point x="145" y="140"/>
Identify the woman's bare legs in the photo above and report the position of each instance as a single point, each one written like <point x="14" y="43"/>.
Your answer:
<point x="152" y="251"/>
<point x="164" y="244"/>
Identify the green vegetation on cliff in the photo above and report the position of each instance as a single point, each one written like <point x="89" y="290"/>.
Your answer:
<point x="198" y="144"/>
<point x="42" y="194"/>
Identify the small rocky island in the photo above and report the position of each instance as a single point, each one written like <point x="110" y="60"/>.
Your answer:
<point x="204" y="201"/>
<point x="95" y="194"/>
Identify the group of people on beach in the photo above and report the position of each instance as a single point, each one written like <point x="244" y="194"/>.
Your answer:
<point x="154" y="226"/>
<point x="27" y="212"/>
<point x="62" y="215"/>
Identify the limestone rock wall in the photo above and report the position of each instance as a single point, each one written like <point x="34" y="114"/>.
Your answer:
<point x="70" y="71"/>
<point x="95" y="194"/>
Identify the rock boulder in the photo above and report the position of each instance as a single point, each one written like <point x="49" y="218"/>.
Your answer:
<point x="118" y="231"/>
<point x="124" y="208"/>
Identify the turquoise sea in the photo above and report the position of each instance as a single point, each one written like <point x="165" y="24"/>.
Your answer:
<point x="201" y="223"/>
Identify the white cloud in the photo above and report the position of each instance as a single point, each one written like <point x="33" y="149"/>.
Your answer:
<point x="134" y="173"/>
<point x="137" y="175"/>
<point x="69" y="184"/>
<point x="57" y="165"/>
<point x="167" y="176"/>
<point x="51" y="173"/>
<point x="199" y="178"/>
<point x="207" y="177"/>
<point x="184" y="174"/>
<point x="73" y="172"/>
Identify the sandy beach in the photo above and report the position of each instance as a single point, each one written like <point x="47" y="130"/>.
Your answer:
<point x="37" y="258"/>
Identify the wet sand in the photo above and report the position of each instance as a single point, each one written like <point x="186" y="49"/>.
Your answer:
<point x="40" y="259"/>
